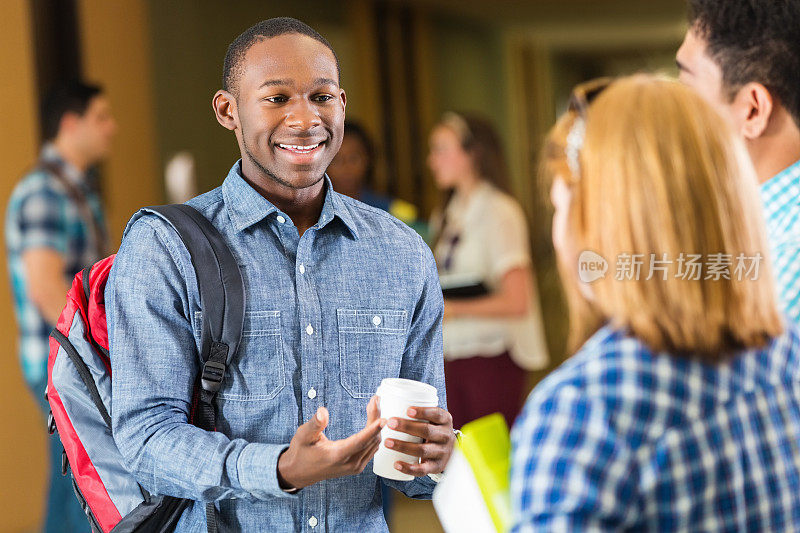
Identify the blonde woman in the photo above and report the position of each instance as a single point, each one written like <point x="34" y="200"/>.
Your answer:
<point x="681" y="408"/>
<point x="492" y="329"/>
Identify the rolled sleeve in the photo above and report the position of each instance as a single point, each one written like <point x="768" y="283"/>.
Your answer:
<point x="155" y="359"/>
<point x="42" y="221"/>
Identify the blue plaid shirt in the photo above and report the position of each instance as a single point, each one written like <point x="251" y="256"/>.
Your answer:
<point x="329" y="314"/>
<point x="621" y="438"/>
<point x="41" y="214"/>
<point x="781" y="198"/>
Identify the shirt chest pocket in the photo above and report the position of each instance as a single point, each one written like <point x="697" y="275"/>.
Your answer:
<point x="257" y="372"/>
<point x="371" y="345"/>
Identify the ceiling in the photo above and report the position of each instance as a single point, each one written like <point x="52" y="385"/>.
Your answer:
<point x="524" y="12"/>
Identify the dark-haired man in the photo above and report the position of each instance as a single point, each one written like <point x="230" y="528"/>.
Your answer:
<point x="339" y="296"/>
<point x="54" y="228"/>
<point x="743" y="56"/>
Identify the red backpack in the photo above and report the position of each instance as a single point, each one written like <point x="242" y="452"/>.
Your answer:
<point x="79" y="379"/>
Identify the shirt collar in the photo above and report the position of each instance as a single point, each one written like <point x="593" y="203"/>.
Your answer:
<point x="336" y="208"/>
<point x="247" y="207"/>
<point x="780" y="191"/>
<point x="50" y="154"/>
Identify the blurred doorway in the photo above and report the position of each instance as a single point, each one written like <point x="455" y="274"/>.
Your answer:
<point x="56" y="43"/>
<point x="544" y="65"/>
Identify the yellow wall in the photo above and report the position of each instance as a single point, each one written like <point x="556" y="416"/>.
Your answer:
<point x="116" y="47"/>
<point x="116" y="53"/>
<point x="23" y="443"/>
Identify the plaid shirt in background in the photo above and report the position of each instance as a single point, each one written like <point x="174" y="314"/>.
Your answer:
<point x="42" y="214"/>
<point x="621" y="438"/>
<point x="781" y="198"/>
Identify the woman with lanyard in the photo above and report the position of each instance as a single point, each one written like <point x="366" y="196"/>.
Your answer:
<point x="492" y="324"/>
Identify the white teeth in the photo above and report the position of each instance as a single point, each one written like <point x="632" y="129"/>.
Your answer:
<point x="298" y="148"/>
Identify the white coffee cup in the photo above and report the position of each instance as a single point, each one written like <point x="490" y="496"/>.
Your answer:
<point x="396" y="396"/>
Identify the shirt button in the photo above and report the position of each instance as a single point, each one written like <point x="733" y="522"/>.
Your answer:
<point x="280" y="219"/>
<point x="376" y="320"/>
<point x="312" y="521"/>
<point x="312" y="393"/>
<point x="309" y="329"/>
<point x="302" y="269"/>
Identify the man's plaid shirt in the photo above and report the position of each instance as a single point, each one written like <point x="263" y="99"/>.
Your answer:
<point x="41" y="214"/>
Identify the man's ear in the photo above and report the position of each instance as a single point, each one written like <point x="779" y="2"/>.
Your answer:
<point x="753" y="104"/>
<point x="68" y="121"/>
<point x="343" y="98"/>
<point x="225" y="110"/>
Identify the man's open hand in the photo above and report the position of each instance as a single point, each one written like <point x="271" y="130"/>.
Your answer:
<point x="435" y="426"/>
<point x="311" y="457"/>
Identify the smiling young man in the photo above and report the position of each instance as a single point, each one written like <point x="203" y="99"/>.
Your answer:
<point x="339" y="296"/>
<point x="743" y="56"/>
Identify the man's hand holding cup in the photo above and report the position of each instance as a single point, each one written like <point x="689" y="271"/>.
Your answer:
<point x="434" y="426"/>
<point x="418" y="437"/>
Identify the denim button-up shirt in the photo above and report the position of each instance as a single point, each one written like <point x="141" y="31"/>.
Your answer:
<point x="310" y="339"/>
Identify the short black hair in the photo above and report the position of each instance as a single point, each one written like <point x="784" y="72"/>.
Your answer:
<point x="65" y="97"/>
<point x="753" y="41"/>
<point x="232" y="67"/>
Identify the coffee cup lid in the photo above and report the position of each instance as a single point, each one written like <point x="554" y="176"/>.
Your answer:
<point x="409" y="389"/>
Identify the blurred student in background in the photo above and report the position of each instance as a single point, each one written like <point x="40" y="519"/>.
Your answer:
<point x="744" y="58"/>
<point x="352" y="172"/>
<point x="680" y="408"/>
<point x="54" y="228"/>
<point x="492" y="329"/>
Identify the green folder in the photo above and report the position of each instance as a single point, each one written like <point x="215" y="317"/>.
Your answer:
<point x="486" y="445"/>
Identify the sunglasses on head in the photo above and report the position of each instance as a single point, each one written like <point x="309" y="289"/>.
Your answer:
<point x="582" y="96"/>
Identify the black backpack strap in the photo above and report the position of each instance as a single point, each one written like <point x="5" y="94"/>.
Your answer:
<point x="222" y="299"/>
<point x="220" y="284"/>
<point x="87" y="294"/>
